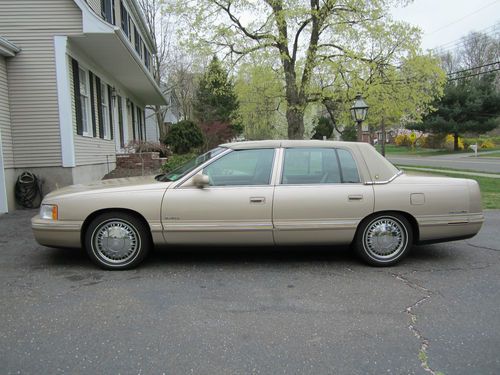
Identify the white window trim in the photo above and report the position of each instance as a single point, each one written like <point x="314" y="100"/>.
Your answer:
<point x="105" y="103"/>
<point x="90" y="130"/>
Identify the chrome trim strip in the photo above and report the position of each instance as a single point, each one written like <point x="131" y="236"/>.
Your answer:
<point x="454" y="219"/>
<point x="56" y="226"/>
<point x="384" y="182"/>
<point x="217" y="227"/>
<point x="316" y="225"/>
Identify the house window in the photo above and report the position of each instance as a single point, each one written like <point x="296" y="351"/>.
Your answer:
<point x="146" y="57"/>
<point x="125" y="20"/>
<point x="85" y="102"/>
<point x="105" y="107"/>
<point x="108" y="10"/>
<point x="139" y="124"/>
<point x="138" y="41"/>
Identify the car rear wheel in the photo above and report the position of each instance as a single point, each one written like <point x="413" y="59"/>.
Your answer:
<point x="384" y="239"/>
<point x="117" y="241"/>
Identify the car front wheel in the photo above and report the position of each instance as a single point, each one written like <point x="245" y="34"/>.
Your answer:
<point x="117" y="241"/>
<point x="384" y="239"/>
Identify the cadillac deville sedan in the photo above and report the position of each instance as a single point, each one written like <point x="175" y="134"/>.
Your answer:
<point x="264" y="193"/>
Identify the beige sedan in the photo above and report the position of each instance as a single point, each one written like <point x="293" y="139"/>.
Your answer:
<point x="264" y="193"/>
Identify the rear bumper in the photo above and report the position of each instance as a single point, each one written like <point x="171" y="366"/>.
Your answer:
<point x="449" y="227"/>
<point x="56" y="233"/>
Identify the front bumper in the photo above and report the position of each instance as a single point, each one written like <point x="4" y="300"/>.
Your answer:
<point x="57" y="233"/>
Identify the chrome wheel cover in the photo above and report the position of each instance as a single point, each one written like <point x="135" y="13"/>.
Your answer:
<point x="116" y="241"/>
<point x="385" y="238"/>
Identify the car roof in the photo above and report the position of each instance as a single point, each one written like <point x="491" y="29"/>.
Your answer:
<point x="245" y="145"/>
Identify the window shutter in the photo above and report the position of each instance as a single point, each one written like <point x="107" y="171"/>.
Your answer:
<point x="92" y="103"/>
<point x="110" y="99"/>
<point x="76" y="94"/>
<point x="99" y="106"/>
<point x="133" y="119"/>
<point x="144" y="123"/>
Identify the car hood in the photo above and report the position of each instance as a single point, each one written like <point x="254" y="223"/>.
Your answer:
<point x="109" y="186"/>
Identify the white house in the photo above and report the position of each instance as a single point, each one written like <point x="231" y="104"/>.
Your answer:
<point x="79" y="76"/>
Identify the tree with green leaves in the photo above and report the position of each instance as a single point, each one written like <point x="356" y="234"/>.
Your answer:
<point x="216" y="105"/>
<point x="260" y="97"/>
<point x="215" y="99"/>
<point x="469" y="105"/>
<point x="317" y="45"/>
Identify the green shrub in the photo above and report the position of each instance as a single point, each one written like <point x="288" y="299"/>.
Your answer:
<point x="487" y="144"/>
<point x="349" y="134"/>
<point x="175" y="161"/>
<point x="183" y="137"/>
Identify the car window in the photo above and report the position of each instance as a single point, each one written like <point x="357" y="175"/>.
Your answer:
<point x="318" y="166"/>
<point x="242" y="167"/>
<point x="349" y="169"/>
<point x="187" y="167"/>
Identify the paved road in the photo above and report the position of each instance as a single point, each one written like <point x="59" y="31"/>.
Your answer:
<point x="454" y="161"/>
<point x="241" y="311"/>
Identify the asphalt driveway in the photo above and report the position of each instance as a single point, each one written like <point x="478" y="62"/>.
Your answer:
<point x="239" y="311"/>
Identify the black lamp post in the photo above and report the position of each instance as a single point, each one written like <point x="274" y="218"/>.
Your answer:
<point x="359" y="110"/>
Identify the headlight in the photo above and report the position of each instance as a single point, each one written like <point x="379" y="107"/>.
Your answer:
<point x="48" y="211"/>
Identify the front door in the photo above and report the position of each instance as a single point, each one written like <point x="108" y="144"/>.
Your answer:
<point x="236" y="208"/>
<point x="320" y="198"/>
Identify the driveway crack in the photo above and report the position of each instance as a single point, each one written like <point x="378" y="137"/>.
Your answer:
<point x="482" y="247"/>
<point x="412" y="320"/>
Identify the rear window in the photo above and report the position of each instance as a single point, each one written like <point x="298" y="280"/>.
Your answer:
<point x="305" y="166"/>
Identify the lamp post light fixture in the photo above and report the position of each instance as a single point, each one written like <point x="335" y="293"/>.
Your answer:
<point x="359" y="110"/>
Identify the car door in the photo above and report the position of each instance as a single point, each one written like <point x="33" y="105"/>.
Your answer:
<point x="236" y="208"/>
<point x="320" y="197"/>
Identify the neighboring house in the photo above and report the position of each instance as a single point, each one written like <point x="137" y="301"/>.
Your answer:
<point x="79" y="77"/>
<point x="171" y="111"/>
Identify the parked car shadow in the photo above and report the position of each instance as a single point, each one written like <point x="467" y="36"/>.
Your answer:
<point x="216" y="256"/>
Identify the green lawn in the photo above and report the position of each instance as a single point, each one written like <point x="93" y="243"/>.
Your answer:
<point x="490" y="187"/>
<point x="418" y="151"/>
<point x="492" y="155"/>
<point x="401" y="150"/>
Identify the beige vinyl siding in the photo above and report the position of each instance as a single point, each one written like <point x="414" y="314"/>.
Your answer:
<point x="32" y="25"/>
<point x="90" y="150"/>
<point x="8" y="156"/>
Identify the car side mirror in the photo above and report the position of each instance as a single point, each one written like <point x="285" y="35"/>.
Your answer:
<point x="201" y="180"/>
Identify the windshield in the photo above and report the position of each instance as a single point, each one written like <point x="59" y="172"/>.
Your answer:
<point x="184" y="169"/>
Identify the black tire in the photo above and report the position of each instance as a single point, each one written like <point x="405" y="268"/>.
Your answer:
<point x="388" y="249"/>
<point x="126" y="248"/>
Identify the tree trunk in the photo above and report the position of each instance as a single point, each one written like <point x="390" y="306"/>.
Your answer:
<point x="295" y="120"/>
<point x="455" y="141"/>
<point x="160" y="122"/>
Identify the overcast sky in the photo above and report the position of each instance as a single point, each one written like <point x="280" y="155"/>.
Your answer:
<point x="445" y="21"/>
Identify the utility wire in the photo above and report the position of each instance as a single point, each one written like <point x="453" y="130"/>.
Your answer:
<point x="495" y="29"/>
<point x="474" y="75"/>
<point x="462" y="18"/>
<point x="473" y="68"/>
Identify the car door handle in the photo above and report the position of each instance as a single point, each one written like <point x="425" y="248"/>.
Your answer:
<point x="257" y="200"/>
<point x="353" y="197"/>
